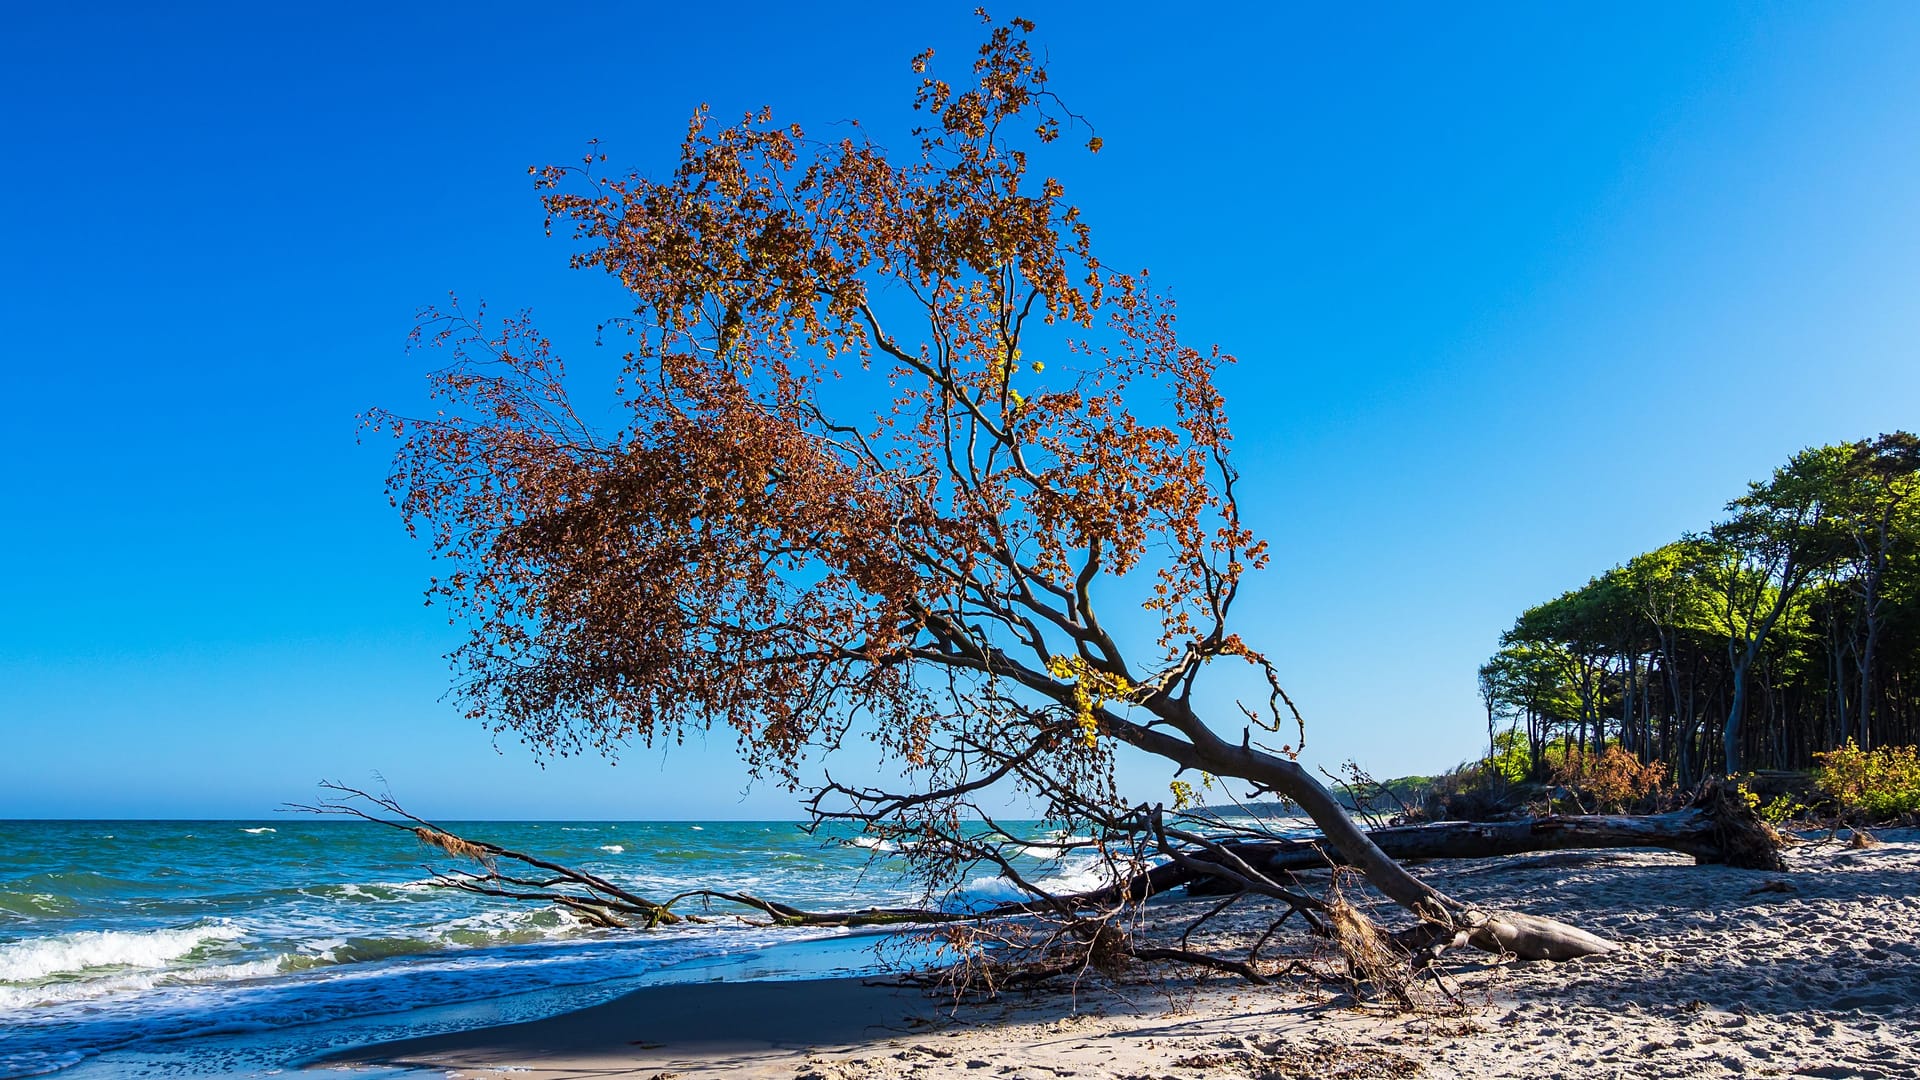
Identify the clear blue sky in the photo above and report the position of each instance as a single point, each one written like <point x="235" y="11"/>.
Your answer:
<point x="1520" y="291"/>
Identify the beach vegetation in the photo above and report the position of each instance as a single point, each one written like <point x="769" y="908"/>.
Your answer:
<point x="1509" y="759"/>
<point x="1776" y="807"/>
<point x="1876" y="785"/>
<point x="1612" y="780"/>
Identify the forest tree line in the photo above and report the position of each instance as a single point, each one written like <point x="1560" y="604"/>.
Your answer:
<point x="1788" y="628"/>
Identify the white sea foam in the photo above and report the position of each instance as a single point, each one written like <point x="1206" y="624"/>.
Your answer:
<point x="378" y="892"/>
<point x="1068" y="876"/>
<point x="38" y="1062"/>
<point x="59" y="993"/>
<point x="1077" y="875"/>
<point x="613" y="848"/>
<point x="37" y="958"/>
<point x="985" y="890"/>
<point x="508" y="925"/>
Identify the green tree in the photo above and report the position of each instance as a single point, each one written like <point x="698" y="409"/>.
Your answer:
<point x="1780" y="533"/>
<point x="1526" y="683"/>
<point x="1670" y="590"/>
<point x="1878" y="513"/>
<point x="1801" y="607"/>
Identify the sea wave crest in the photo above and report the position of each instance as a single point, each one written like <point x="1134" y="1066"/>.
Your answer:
<point x="72" y="953"/>
<point x="41" y="995"/>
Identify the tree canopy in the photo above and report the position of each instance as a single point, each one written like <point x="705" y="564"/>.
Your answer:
<point x="1786" y="629"/>
<point x="738" y="553"/>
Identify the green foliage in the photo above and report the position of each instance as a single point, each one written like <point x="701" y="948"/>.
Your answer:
<point x="1778" y="810"/>
<point x="1670" y="589"/>
<point x="1510" y="759"/>
<point x="1801" y="605"/>
<point x="1876" y="784"/>
<point x="1530" y="678"/>
<point x="1183" y="796"/>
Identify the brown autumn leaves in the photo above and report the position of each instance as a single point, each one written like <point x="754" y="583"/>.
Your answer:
<point x="879" y="454"/>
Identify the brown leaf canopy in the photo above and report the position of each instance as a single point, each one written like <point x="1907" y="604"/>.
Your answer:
<point x="880" y="443"/>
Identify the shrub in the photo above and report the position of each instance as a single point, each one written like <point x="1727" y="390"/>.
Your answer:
<point x="1776" y="811"/>
<point x="1613" y="780"/>
<point x="1465" y="792"/>
<point x="1874" y="784"/>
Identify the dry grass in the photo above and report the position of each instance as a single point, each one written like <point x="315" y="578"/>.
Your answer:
<point x="454" y="846"/>
<point x="1375" y="965"/>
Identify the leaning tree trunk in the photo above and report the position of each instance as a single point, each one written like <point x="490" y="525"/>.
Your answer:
<point x="1529" y="937"/>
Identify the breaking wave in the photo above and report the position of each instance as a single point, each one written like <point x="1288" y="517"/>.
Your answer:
<point x="80" y="951"/>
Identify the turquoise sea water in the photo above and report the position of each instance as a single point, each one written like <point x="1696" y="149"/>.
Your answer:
<point x="200" y="948"/>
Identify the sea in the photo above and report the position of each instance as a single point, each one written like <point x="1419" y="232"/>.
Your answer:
<point x="187" y="949"/>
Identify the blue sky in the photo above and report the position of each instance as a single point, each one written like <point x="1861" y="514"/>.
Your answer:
<point x="1519" y="291"/>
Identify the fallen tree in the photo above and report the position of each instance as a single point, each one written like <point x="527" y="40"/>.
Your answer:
<point x="1717" y="829"/>
<point x="847" y="502"/>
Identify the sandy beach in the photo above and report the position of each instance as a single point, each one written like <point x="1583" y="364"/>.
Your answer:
<point x="1815" y="972"/>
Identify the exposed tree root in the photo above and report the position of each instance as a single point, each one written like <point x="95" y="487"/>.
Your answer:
<point x="1373" y="960"/>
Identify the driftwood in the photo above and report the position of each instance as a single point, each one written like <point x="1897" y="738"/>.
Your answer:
<point x="590" y="896"/>
<point x="1694" y="831"/>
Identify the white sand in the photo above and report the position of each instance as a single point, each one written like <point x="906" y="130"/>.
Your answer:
<point x="1819" y="976"/>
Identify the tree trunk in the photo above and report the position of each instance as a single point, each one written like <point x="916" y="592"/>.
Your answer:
<point x="1730" y="734"/>
<point x="1529" y="937"/>
<point x="1865" y="704"/>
